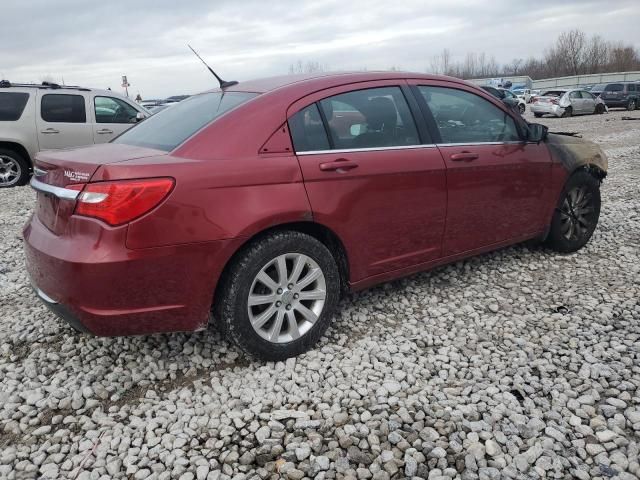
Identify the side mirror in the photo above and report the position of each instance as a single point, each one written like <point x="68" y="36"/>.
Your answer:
<point x="357" y="129"/>
<point x="140" y="116"/>
<point x="536" y="132"/>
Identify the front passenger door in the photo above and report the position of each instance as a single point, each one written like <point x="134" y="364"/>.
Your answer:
<point x="496" y="181"/>
<point x="113" y="116"/>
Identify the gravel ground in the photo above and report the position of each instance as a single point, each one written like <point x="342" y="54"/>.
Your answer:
<point x="517" y="364"/>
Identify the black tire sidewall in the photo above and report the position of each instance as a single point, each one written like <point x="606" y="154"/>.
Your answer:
<point x="556" y="240"/>
<point x="25" y="169"/>
<point x="230" y="309"/>
<point x="568" y="112"/>
<point x="632" y="103"/>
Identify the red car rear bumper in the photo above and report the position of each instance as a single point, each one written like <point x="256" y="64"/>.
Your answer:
<point x="101" y="287"/>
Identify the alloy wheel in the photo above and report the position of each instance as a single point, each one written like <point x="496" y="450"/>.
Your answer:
<point x="576" y="214"/>
<point x="286" y="298"/>
<point x="10" y="171"/>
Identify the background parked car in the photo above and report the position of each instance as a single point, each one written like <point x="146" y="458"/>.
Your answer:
<point x="619" y="94"/>
<point x="523" y="93"/>
<point x="50" y="117"/>
<point x="565" y="103"/>
<point x="508" y="97"/>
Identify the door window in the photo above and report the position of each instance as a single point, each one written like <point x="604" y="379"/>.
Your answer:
<point x="63" y="108"/>
<point x="12" y="105"/>
<point x="574" y="95"/>
<point x="371" y="118"/>
<point x="462" y="117"/>
<point x="307" y="130"/>
<point x="586" y="95"/>
<point x="631" y="87"/>
<point x="114" y="110"/>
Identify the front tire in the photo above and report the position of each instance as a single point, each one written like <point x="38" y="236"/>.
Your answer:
<point x="521" y="108"/>
<point x="14" y="169"/>
<point x="599" y="109"/>
<point x="576" y="215"/>
<point x="631" y="106"/>
<point x="279" y="295"/>
<point x="537" y="115"/>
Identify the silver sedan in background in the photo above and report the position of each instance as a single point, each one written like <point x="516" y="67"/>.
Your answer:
<point x="564" y="103"/>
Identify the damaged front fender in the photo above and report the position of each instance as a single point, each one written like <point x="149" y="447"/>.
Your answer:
<point x="574" y="153"/>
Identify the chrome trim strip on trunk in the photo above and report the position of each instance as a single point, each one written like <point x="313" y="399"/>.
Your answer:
<point x="64" y="193"/>
<point x="43" y="296"/>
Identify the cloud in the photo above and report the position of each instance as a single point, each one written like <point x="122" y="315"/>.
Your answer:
<point x="94" y="43"/>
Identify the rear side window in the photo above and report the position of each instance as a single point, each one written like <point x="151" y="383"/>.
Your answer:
<point x="631" y="87"/>
<point x="63" y="108"/>
<point x="169" y="128"/>
<point x="12" y="105"/>
<point x="462" y="117"/>
<point x="307" y="130"/>
<point x="371" y="118"/>
<point x="614" y="87"/>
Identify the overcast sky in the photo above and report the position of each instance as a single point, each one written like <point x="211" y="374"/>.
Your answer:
<point x="93" y="43"/>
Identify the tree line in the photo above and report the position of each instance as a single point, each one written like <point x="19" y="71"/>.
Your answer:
<point x="573" y="53"/>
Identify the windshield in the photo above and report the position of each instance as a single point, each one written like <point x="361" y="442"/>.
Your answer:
<point x="169" y="128"/>
<point x="599" y="88"/>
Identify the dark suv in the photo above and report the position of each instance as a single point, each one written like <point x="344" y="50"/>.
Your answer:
<point x="618" y="94"/>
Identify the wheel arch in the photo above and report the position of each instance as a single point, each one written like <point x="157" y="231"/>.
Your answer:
<point x="18" y="148"/>
<point x="317" y="230"/>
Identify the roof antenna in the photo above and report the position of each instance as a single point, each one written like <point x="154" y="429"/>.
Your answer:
<point x="223" y="84"/>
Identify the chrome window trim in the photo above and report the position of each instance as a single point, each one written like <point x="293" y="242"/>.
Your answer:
<point x="368" y="149"/>
<point x="64" y="193"/>
<point x="408" y="147"/>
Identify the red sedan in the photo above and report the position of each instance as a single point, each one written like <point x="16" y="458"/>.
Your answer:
<point x="259" y="204"/>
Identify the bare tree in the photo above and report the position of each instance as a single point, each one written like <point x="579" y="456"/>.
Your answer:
<point x="307" y="67"/>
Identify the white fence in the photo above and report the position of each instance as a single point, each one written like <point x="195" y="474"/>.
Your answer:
<point x="572" y="81"/>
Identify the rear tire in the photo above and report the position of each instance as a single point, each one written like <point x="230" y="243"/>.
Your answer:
<point x="576" y="215"/>
<point x="521" y="108"/>
<point x="631" y="105"/>
<point x="263" y="304"/>
<point x="567" y="112"/>
<point x="14" y="169"/>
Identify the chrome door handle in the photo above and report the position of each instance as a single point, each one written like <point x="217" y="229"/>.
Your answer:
<point x="104" y="131"/>
<point x="50" y="131"/>
<point x="464" y="157"/>
<point x="339" y="165"/>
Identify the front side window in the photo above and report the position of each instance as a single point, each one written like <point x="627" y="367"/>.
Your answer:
<point x="307" y="130"/>
<point x="63" y="108"/>
<point x="631" y="87"/>
<point x="371" y="118"/>
<point x="114" y="110"/>
<point x="169" y="128"/>
<point x="12" y="105"/>
<point x="573" y="95"/>
<point x="462" y="117"/>
<point x="586" y="95"/>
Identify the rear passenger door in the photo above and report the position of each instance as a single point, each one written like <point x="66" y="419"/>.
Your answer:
<point x="370" y="176"/>
<point x="496" y="181"/>
<point x="62" y="120"/>
<point x="112" y="117"/>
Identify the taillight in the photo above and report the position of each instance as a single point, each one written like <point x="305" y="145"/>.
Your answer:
<point x="121" y="201"/>
<point x="554" y="101"/>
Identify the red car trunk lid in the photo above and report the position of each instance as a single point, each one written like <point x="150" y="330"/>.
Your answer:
<point x="66" y="171"/>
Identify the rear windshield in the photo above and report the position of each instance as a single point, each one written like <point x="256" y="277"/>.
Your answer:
<point x="12" y="105"/>
<point x="169" y="128"/>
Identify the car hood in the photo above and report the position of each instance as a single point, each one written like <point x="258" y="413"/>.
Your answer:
<point x="574" y="152"/>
